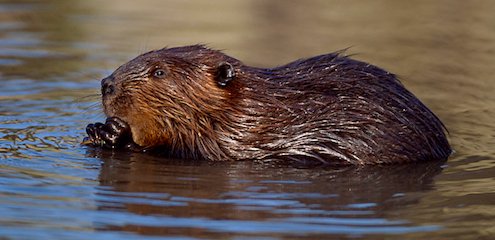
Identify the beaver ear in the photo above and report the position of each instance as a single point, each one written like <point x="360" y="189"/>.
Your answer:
<point x="225" y="74"/>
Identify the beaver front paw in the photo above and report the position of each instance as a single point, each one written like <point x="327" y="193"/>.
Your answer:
<point x="115" y="133"/>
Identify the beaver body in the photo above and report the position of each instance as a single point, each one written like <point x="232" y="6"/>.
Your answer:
<point x="194" y="102"/>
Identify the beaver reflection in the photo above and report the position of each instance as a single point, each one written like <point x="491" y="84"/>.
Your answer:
<point x="139" y="185"/>
<point x="193" y="102"/>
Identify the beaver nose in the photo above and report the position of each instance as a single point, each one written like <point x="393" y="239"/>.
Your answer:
<point x="107" y="86"/>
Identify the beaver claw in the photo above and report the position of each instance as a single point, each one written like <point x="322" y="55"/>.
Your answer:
<point x="115" y="133"/>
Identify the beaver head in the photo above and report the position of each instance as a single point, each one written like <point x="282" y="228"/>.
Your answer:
<point x="174" y="98"/>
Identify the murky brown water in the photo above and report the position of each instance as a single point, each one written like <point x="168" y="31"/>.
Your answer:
<point x="52" y="55"/>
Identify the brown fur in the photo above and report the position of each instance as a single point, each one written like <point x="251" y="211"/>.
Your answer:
<point x="328" y="108"/>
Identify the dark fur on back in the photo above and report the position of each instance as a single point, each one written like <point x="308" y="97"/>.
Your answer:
<point x="328" y="109"/>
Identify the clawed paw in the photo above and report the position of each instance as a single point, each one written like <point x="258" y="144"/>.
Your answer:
<point x="114" y="133"/>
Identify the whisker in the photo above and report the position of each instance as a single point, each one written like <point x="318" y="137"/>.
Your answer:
<point x="91" y="97"/>
<point x="94" y="106"/>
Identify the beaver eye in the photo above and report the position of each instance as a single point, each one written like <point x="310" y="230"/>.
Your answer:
<point x="159" y="73"/>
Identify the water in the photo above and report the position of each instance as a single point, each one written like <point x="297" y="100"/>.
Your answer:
<point x="52" y="55"/>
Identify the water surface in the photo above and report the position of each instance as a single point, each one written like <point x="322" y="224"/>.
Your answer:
<point x="53" y="54"/>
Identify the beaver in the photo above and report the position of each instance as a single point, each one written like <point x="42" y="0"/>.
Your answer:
<point x="194" y="102"/>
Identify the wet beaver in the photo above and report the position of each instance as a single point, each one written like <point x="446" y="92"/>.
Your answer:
<point x="198" y="103"/>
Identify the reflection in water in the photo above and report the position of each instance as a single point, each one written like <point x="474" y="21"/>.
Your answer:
<point x="53" y="53"/>
<point x="162" y="196"/>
